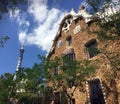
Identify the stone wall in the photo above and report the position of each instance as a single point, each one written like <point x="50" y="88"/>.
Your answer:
<point x="105" y="72"/>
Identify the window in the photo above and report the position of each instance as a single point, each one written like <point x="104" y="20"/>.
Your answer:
<point x="91" y="48"/>
<point x="59" y="43"/>
<point x="68" y="40"/>
<point x="68" y="60"/>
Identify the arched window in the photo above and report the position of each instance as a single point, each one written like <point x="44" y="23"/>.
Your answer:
<point x="68" y="40"/>
<point x="91" y="48"/>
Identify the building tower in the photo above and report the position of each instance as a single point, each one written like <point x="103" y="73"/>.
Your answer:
<point x="20" y="58"/>
<point x="19" y="64"/>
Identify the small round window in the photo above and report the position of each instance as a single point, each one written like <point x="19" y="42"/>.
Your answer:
<point x="59" y="43"/>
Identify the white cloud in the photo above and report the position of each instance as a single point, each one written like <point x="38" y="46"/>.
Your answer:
<point x="47" y="25"/>
<point x="14" y="14"/>
<point x="19" y="17"/>
<point x="38" y="8"/>
<point x="22" y="37"/>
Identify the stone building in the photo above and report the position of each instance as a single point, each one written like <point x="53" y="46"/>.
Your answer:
<point x="74" y="40"/>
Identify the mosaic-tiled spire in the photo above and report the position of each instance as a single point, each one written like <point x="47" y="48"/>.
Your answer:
<point x="19" y="64"/>
<point x="20" y="58"/>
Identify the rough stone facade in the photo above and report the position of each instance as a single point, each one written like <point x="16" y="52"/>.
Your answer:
<point x="80" y="37"/>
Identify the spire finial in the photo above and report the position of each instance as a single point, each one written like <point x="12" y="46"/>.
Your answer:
<point x="22" y="45"/>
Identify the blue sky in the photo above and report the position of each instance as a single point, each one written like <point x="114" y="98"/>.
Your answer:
<point x="35" y="28"/>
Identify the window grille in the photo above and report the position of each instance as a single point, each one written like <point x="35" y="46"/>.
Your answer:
<point x="68" y="60"/>
<point x="91" y="49"/>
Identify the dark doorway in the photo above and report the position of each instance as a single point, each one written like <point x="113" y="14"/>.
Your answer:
<point x="56" y="98"/>
<point x="96" y="94"/>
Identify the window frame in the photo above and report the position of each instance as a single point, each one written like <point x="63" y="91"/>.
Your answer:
<point x="68" y="40"/>
<point x="68" y="60"/>
<point x="91" y="48"/>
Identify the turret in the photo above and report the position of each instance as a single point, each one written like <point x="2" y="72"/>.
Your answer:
<point x="19" y="64"/>
<point x="20" y="58"/>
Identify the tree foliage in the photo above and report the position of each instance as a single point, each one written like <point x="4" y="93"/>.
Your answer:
<point x="107" y="13"/>
<point x="41" y="81"/>
<point x="3" y="40"/>
<point x="69" y="76"/>
<point x="6" y="81"/>
<point x="35" y="81"/>
<point x="6" y="5"/>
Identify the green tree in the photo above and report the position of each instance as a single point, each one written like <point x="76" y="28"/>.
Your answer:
<point x="69" y="76"/>
<point x="5" y="7"/>
<point x="107" y="13"/>
<point x="6" y="84"/>
<point x="3" y="40"/>
<point x="29" y="84"/>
